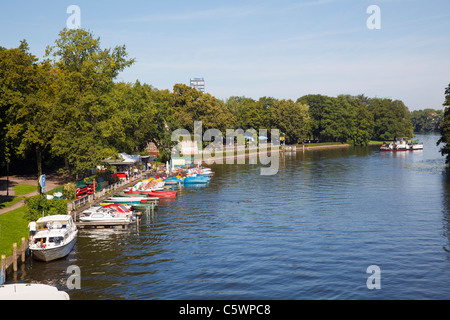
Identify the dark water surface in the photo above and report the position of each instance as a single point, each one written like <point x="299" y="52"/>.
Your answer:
<point x="309" y="232"/>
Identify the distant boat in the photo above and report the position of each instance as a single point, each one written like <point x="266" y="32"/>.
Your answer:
<point x="57" y="240"/>
<point x="402" y="145"/>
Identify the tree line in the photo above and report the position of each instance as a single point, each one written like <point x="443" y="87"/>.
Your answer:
<point x="70" y="107"/>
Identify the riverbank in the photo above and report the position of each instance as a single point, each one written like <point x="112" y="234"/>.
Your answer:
<point x="298" y="147"/>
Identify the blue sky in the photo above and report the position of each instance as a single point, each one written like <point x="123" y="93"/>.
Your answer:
<point x="282" y="49"/>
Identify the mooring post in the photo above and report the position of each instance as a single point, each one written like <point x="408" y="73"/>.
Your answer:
<point x="15" y="256"/>
<point x="23" y="250"/>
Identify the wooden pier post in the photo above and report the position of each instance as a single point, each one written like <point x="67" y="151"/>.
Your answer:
<point x="15" y="256"/>
<point x="23" y="250"/>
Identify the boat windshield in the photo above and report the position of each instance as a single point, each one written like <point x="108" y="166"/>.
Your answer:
<point x="40" y="240"/>
<point x="55" y="240"/>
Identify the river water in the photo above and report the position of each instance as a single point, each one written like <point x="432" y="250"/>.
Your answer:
<point x="308" y="232"/>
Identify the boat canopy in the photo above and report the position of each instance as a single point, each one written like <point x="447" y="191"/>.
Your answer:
<point x="54" y="218"/>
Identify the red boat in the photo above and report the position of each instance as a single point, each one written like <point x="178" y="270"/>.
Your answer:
<point x="162" y="194"/>
<point x="159" y="191"/>
<point x="131" y="192"/>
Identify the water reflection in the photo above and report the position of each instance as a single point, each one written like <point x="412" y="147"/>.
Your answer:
<point x="446" y="207"/>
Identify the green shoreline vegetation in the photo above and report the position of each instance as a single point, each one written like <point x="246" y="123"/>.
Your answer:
<point x="69" y="112"/>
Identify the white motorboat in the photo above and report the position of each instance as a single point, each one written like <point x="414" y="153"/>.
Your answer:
<point x="33" y="291"/>
<point x="56" y="240"/>
<point x="109" y="213"/>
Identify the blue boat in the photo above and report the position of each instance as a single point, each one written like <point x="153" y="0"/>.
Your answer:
<point x="197" y="179"/>
<point x="173" y="180"/>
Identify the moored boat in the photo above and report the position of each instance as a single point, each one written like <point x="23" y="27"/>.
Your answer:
<point x="108" y="213"/>
<point x="128" y="200"/>
<point x="197" y="179"/>
<point x="57" y="240"/>
<point x="163" y="195"/>
<point x="31" y="291"/>
<point x="146" y="192"/>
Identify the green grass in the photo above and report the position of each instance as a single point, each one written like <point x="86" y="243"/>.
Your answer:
<point x="13" y="227"/>
<point x="24" y="189"/>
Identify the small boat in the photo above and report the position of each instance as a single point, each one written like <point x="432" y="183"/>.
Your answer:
<point x="173" y="180"/>
<point x="109" y="213"/>
<point x="163" y="195"/>
<point x="128" y="200"/>
<point x="145" y="192"/>
<point x="33" y="291"/>
<point x="130" y="192"/>
<point x="129" y="195"/>
<point x="196" y="179"/>
<point x="416" y="145"/>
<point x="57" y="240"/>
<point x="207" y="172"/>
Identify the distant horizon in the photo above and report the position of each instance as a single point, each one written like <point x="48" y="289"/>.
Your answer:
<point x="284" y="49"/>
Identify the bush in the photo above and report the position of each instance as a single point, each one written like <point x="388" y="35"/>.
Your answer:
<point x="70" y="191"/>
<point x="39" y="206"/>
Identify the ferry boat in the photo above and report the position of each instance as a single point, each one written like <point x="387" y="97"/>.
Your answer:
<point x="56" y="240"/>
<point x="402" y="145"/>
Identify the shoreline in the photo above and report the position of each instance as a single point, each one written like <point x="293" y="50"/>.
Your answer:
<point x="299" y="148"/>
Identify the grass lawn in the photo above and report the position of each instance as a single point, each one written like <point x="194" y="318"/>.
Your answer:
<point x="24" y="189"/>
<point x="12" y="228"/>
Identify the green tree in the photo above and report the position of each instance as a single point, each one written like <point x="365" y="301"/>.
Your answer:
<point x="189" y="105"/>
<point x="427" y="120"/>
<point x="445" y="128"/>
<point x="337" y="120"/>
<point x="292" y="119"/>
<point x="82" y="107"/>
<point x="362" y="127"/>
<point x="26" y="96"/>
<point x="391" y="119"/>
<point x="319" y="106"/>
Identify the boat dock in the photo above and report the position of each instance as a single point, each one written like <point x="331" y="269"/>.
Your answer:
<point x="99" y="225"/>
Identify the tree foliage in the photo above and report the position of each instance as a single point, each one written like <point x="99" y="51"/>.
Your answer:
<point x="427" y="120"/>
<point x="445" y="127"/>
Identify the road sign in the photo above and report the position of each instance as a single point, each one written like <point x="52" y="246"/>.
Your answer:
<point x="42" y="182"/>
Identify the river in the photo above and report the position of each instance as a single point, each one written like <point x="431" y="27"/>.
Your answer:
<point x="308" y="232"/>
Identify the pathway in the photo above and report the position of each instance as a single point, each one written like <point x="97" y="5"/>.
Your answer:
<point x="53" y="180"/>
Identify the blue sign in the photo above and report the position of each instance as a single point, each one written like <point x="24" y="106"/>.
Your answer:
<point x="42" y="182"/>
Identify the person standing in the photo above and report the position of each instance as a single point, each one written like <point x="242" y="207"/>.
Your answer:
<point x="32" y="226"/>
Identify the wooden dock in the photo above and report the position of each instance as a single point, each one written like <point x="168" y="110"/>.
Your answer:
<point x="96" y="225"/>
